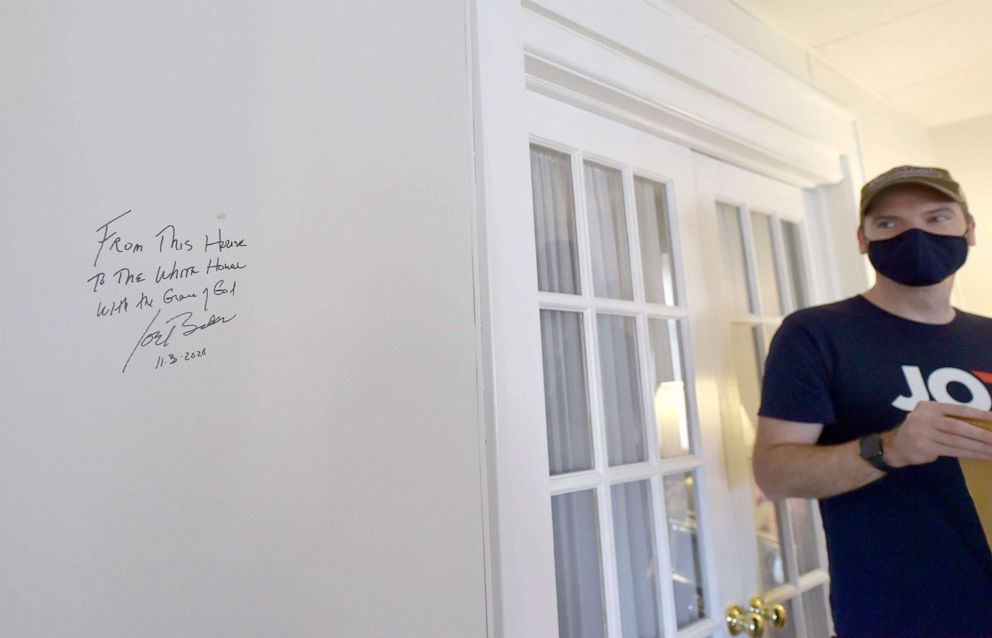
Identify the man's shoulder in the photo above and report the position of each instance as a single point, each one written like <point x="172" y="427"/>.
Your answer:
<point x="970" y="319"/>
<point x="834" y="314"/>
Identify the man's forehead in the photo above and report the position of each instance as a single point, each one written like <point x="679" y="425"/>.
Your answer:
<point x="903" y="196"/>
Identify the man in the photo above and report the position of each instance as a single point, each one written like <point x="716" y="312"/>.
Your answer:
<point x="861" y="408"/>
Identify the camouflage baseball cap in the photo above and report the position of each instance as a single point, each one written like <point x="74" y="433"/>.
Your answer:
<point x="936" y="178"/>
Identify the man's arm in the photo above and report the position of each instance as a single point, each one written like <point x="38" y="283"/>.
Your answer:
<point x="787" y="463"/>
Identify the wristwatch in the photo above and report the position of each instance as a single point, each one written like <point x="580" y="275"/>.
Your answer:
<point x="871" y="451"/>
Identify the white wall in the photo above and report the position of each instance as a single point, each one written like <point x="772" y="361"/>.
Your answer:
<point x="965" y="149"/>
<point x="317" y="472"/>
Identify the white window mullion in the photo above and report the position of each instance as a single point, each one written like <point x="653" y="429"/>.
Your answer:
<point x="788" y="542"/>
<point x="707" y="542"/>
<point x="645" y="351"/>
<point x="750" y="258"/>
<point x="662" y="542"/>
<point x="633" y="236"/>
<point x="813" y="579"/>
<point x="582" y="227"/>
<point x="689" y="381"/>
<point x="595" y="376"/>
<point x="783" y="276"/>
<point x="645" y="355"/>
<point x="674" y="225"/>
<point x="576" y="481"/>
<point x="675" y="464"/>
<point x="609" y="561"/>
<point x="798" y="620"/>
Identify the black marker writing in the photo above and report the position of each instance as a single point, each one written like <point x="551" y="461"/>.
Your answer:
<point x="171" y="296"/>
<point x="115" y="308"/>
<point x="147" y="337"/>
<point x="222" y="243"/>
<point x="218" y="291"/>
<point x="174" y="244"/>
<point x="189" y="326"/>
<point x="217" y="264"/>
<point x="125" y="277"/>
<point x="185" y="286"/>
<point x="115" y="245"/>
<point x="144" y="302"/>
<point x="98" y="280"/>
<point x="174" y="273"/>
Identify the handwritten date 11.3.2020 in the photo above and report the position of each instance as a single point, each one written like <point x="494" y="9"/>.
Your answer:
<point x="171" y="359"/>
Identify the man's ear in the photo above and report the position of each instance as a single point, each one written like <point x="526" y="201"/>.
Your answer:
<point x="863" y="243"/>
<point x="971" y="233"/>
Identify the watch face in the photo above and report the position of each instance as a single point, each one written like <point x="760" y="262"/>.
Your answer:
<point x="871" y="446"/>
<point x="871" y="451"/>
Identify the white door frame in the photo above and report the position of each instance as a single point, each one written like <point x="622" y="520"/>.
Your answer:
<point x="629" y="62"/>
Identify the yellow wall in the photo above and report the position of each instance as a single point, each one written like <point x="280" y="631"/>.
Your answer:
<point x="887" y="138"/>
<point x="965" y="149"/>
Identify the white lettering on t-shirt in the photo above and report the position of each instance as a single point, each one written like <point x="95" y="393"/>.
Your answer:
<point x="936" y="387"/>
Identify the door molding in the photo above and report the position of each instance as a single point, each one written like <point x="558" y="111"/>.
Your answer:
<point x="664" y="72"/>
<point x="646" y="66"/>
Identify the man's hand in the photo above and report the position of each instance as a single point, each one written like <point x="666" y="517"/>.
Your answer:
<point x="788" y="464"/>
<point x="933" y="430"/>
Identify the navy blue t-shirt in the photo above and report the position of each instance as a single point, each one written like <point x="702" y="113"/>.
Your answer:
<point x="908" y="556"/>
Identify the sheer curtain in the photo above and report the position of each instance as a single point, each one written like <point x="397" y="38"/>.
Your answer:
<point x="554" y="221"/>
<point x="656" y="242"/>
<point x="608" y="232"/>
<point x="622" y="405"/>
<point x="565" y="397"/>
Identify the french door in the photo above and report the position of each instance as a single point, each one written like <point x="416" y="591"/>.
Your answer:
<point x="661" y="276"/>
<point x="761" y="272"/>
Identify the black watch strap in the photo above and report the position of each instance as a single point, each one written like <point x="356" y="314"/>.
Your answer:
<point x="871" y="451"/>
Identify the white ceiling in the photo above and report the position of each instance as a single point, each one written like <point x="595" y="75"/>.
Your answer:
<point x="930" y="59"/>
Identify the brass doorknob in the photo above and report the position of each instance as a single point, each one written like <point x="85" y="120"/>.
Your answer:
<point x="740" y="621"/>
<point x="775" y="613"/>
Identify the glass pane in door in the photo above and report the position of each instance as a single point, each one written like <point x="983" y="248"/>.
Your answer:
<point x="771" y="553"/>
<point x="734" y="262"/>
<point x="683" y="532"/>
<point x="796" y="264"/>
<point x="657" y="258"/>
<point x="764" y="255"/>
<point x="637" y="567"/>
<point x="608" y="232"/>
<point x="817" y="616"/>
<point x="670" y="399"/>
<point x="623" y="412"/>
<point x="554" y="221"/>
<point x="744" y="346"/>
<point x="804" y="532"/>
<point x="565" y="392"/>
<point x="581" y="607"/>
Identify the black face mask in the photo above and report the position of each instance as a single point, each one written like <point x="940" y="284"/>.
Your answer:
<point x="919" y="258"/>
